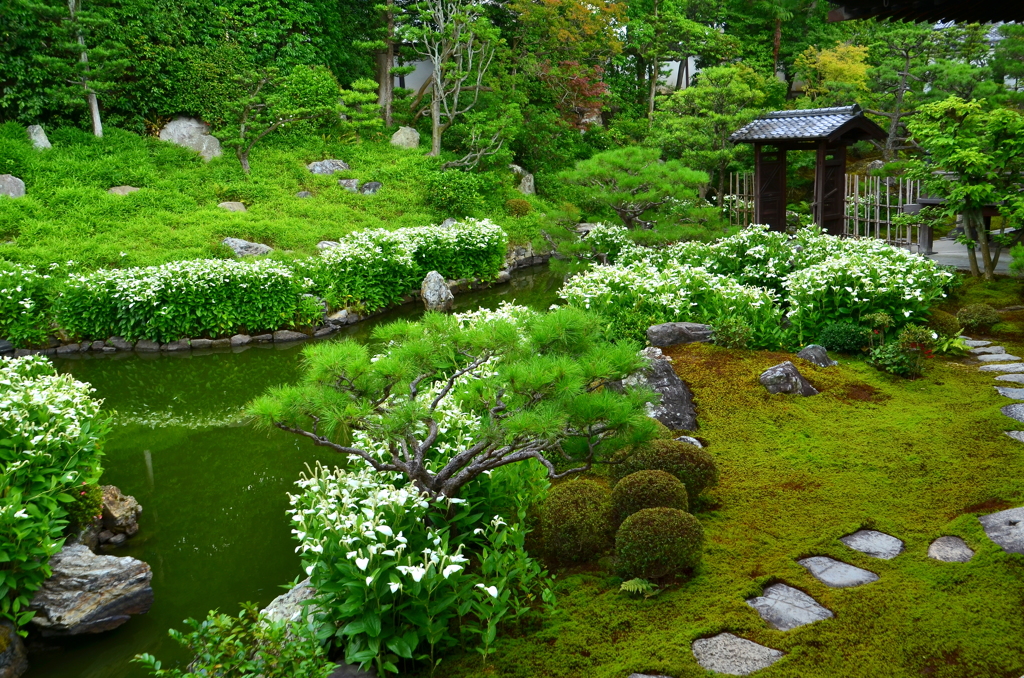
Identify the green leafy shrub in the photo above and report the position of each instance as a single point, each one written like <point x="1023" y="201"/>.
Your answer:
<point x="844" y="337"/>
<point x="906" y="356"/>
<point x="647" y="489"/>
<point x="732" y="333"/>
<point x="51" y="431"/>
<point x="517" y="207"/>
<point x="87" y="506"/>
<point x="26" y="298"/>
<point x="977" y="317"/>
<point x="576" y="521"/>
<point x="454" y="193"/>
<point x="945" y="324"/>
<point x="245" y="646"/>
<point x="690" y="464"/>
<point x="659" y="542"/>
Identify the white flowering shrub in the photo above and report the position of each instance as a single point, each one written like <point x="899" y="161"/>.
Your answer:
<point x="813" y="277"/>
<point x="209" y="297"/>
<point x="50" y="437"/>
<point x="25" y="299"/>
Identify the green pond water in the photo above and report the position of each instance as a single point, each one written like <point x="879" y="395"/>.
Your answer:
<point x="213" y="489"/>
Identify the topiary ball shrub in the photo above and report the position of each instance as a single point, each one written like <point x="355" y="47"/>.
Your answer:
<point x="517" y="207"/>
<point x="689" y="463"/>
<point x="977" y="317"/>
<point x="945" y="324"/>
<point x="843" y="337"/>
<point x="576" y="521"/>
<point x="658" y="542"/>
<point x="647" y="489"/>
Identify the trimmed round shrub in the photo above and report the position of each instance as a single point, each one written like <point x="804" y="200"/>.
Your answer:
<point x="658" y="542"/>
<point x="517" y="207"/>
<point x="977" y="317"/>
<point x="843" y="337"/>
<point x="648" y="489"/>
<point x="945" y="324"/>
<point x="690" y="464"/>
<point x="576" y="521"/>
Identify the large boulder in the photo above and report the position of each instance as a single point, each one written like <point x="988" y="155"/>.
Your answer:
<point x="88" y="593"/>
<point x="676" y="409"/>
<point x="816" y="354"/>
<point x="292" y="606"/>
<point x="120" y="512"/>
<point x="327" y="166"/>
<point x="406" y="137"/>
<point x="785" y="378"/>
<point x="11" y="186"/>
<point x="13" y="659"/>
<point x="670" y="334"/>
<point x="526" y="184"/>
<point x="37" y="135"/>
<point x="435" y="293"/>
<point x="244" y="248"/>
<point x="193" y="134"/>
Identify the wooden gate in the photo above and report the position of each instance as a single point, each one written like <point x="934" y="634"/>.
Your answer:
<point x="770" y="179"/>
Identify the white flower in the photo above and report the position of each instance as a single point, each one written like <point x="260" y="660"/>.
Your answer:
<point x="394" y="586"/>
<point x="369" y="580"/>
<point x="384" y="529"/>
<point x="361" y="563"/>
<point x="309" y="570"/>
<point x="450" y="570"/>
<point x="492" y="590"/>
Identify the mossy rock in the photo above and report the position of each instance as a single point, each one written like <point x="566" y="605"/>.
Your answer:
<point x="693" y="465"/>
<point x="576" y="521"/>
<point x="647" y="489"/>
<point x="659" y="542"/>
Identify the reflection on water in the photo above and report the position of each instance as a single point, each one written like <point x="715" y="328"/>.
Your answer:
<point x="213" y="490"/>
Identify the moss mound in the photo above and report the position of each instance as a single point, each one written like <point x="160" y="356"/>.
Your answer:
<point x="576" y="520"/>
<point x="689" y="463"/>
<point x="647" y="489"/>
<point x="977" y="317"/>
<point x="944" y="323"/>
<point x="659" y="542"/>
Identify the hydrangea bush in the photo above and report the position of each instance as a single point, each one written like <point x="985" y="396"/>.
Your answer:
<point x="51" y="431"/>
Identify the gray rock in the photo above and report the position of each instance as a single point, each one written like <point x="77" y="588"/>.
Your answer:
<point x="690" y="440"/>
<point x="11" y="186"/>
<point x="1016" y="435"/>
<point x="670" y="334"/>
<point x="503" y="277"/>
<point x="435" y="293"/>
<point x="97" y="345"/>
<point x="327" y="244"/>
<point x="120" y="512"/>
<point x="105" y="536"/>
<point x="324" y="331"/>
<point x="339" y="317"/>
<point x="449" y="222"/>
<point x="89" y="593"/>
<point x="201" y="343"/>
<point x="37" y="135"/>
<point x="6" y="347"/>
<point x="988" y="350"/>
<point x="327" y="166"/>
<point x="282" y="336"/>
<point x="221" y="343"/>
<point x="244" y="248"/>
<point x="117" y="539"/>
<point x="733" y="656"/>
<point x="784" y="608"/>
<point x="406" y="137"/>
<point x="193" y="134"/>
<point x="817" y="355"/>
<point x="1010" y="367"/>
<point x="999" y="357"/>
<point x="350" y="185"/>
<point x="1014" y="411"/>
<point x="232" y="206"/>
<point x="292" y="605"/>
<point x="1013" y="393"/>
<point x="122" y="190"/>
<point x="13" y="657"/>
<point x="69" y="348"/>
<point x="370" y="187"/>
<point x="240" y="340"/>
<point x="950" y="550"/>
<point x="303" y="194"/>
<point x="875" y="544"/>
<point x="350" y="671"/>
<point x="976" y="343"/>
<point x="146" y="345"/>
<point x="837" y="574"/>
<point x="526" y="184"/>
<point x="675" y="409"/>
<point x="1013" y="378"/>
<point x="180" y="345"/>
<point x="1006" y="528"/>
<point x="263" y="338"/>
<point x="785" y="378"/>
<point x="120" y="344"/>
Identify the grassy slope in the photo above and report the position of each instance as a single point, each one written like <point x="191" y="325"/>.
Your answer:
<point x="915" y="459"/>
<point x="67" y="213"/>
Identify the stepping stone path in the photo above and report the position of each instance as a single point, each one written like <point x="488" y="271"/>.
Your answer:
<point x="977" y="343"/>
<point x="1016" y="435"/>
<point x="837" y="574"/>
<point x="875" y="544"/>
<point x="1014" y="411"/>
<point x="1006" y="528"/>
<point x="999" y="357"/>
<point x="784" y="608"/>
<point x="1015" y="393"/>
<point x="989" y="350"/>
<point x="731" y="655"/>
<point x="1016" y="378"/>
<point x="950" y="550"/>
<point x="1011" y="367"/>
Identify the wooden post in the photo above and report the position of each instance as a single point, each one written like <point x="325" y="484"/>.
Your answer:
<point x="819" y="184"/>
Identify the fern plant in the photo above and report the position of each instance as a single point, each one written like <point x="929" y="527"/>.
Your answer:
<point x="639" y="587"/>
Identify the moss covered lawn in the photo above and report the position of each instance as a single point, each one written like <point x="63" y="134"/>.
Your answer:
<point x="918" y="460"/>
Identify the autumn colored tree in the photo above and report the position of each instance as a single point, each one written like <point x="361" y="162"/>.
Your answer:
<point x="835" y="76"/>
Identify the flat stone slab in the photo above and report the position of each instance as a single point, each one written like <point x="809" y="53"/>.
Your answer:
<point x="1009" y="367"/>
<point x="999" y="357"/>
<point x="1014" y="411"/>
<point x="950" y="550"/>
<point x="1006" y="528"/>
<point x="1016" y="435"/>
<point x="837" y="574"/>
<point x="1015" y="378"/>
<point x="784" y="608"/>
<point x="1015" y="393"/>
<point x="875" y="544"/>
<point x="988" y="350"/>
<point x="977" y="343"/>
<point x="733" y="656"/>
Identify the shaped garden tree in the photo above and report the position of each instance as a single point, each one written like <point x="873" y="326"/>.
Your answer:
<point x="446" y="400"/>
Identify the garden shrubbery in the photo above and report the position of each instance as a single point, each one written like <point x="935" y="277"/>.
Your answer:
<point x="577" y="521"/>
<point x="977" y="317"/>
<point x="692" y="465"/>
<point x="647" y="489"/>
<point x="844" y="337"/>
<point x="659" y="542"/>
<point x="946" y="324"/>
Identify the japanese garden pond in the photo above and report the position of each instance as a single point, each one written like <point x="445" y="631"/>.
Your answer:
<point x="213" y="489"/>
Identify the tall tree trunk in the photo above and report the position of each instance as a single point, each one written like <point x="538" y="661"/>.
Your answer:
<point x="90" y="95"/>
<point x="972" y="255"/>
<point x="385" y="62"/>
<point x="243" y="158"/>
<point x="889" y="152"/>
<point x="435" y="121"/>
<point x="986" y="254"/>
<point x="776" y="46"/>
<point x="652" y="88"/>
